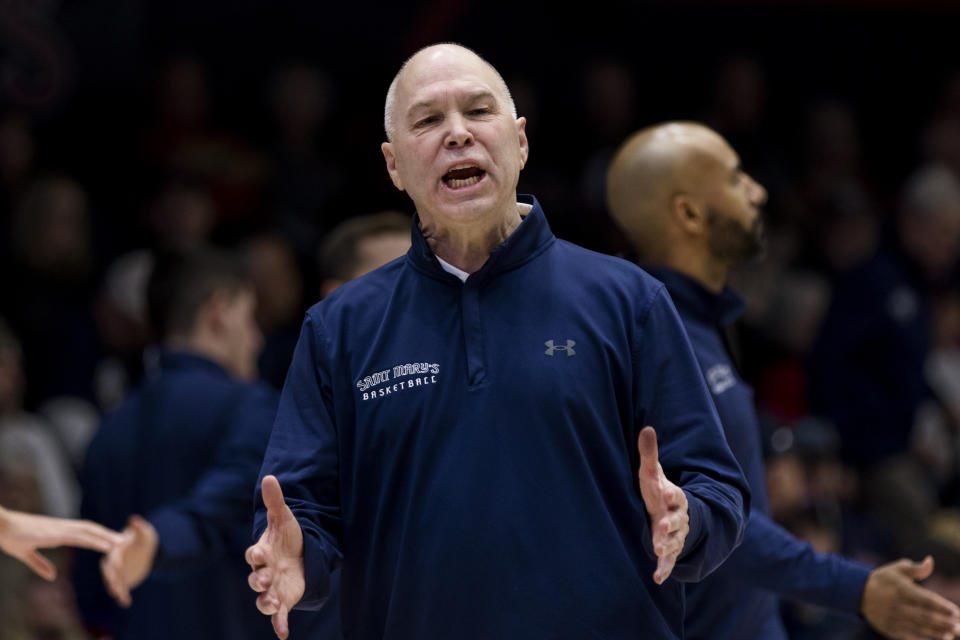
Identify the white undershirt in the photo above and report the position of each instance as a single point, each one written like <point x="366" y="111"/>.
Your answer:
<point x="449" y="268"/>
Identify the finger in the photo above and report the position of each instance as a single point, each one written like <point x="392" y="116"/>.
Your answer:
<point x="90" y="535"/>
<point x="267" y="603"/>
<point x="920" y="617"/>
<point x="256" y="556"/>
<point x="138" y="523"/>
<point x="927" y="601"/>
<point x="674" y="497"/>
<point x="921" y="570"/>
<point x="279" y="620"/>
<point x="114" y="582"/>
<point x="649" y="456"/>
<point x="664" y="568"/>
<point x="260" y="580"/>
<point x="928" y="625"/>
<point x="923" y="623"/>
<point x="670" y="544"/>
<point x="41" y="565"/>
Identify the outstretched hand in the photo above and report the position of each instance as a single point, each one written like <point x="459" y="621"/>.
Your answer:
<point x="22" y="534"/>
<point x="129" y="563"/>
<point x="666" y="505"/>
<point x="276" y="560"/>
<point x="899" y="608"/>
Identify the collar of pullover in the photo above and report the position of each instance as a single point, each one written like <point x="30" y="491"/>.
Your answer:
<point x="692" y="297"/>
<point x="527" y="241"/>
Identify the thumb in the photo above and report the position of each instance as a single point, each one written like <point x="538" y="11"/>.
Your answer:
<point x="272" y="497"/>
<point x="139" y="526"/>
<point x="921" y="570"/>
<point x="649" y="456"/>
<point x="41" y="565"/>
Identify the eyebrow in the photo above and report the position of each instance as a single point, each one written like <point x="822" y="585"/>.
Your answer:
<point x="470" y="98"/>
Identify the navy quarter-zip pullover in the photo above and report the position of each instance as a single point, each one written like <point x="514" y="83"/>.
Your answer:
<point x="183" y="451"/>
<point x="467" y="451"/>
<point x="739" y="600"/>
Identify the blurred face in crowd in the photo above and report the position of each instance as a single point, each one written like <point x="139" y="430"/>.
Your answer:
<point x="733" y="200"/>
<point x="933" y="240"/>
<point x="376" y="251"/>
<point x="456" y="150"/>
<point x="278" y="282"/>
<point x="236" y="316"/>
<point x="11" y="380"/>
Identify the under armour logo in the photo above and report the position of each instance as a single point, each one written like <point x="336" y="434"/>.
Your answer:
<point x="569" y="348"/>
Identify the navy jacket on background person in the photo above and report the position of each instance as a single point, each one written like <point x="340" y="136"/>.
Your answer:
<point x="183" y="451"/>
<point x="468" y="451"/>
<point x="739" y="600"/>
<point x="867" y="365"/>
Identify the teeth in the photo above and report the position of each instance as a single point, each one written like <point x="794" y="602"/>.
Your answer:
<point x="457" y="184"/>
<point x="461" y="166"/>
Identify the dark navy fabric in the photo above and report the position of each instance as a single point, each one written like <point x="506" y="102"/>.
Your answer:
<point x="739" y="600"/>
<point x="467" y="452"/>
<point x="866" y="369"/>
<point x="183" y="451"/>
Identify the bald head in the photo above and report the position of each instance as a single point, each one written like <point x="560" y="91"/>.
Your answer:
<point x="437" y="53"/>
<point x="649" y="170"/>
<point x="679" y="193"/>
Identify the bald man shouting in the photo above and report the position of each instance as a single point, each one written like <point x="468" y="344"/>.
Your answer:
<point x="463" y="430"/>
<point x="692" y="213"/>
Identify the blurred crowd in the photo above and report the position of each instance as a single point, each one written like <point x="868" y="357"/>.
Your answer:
<point x="851" y="341"/>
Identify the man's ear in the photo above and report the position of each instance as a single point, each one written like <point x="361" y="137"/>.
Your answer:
<point x="211" y="313"/>
<point x="391" y="160"/>
<point x="524" y="146"/>
<point x="688" y="213"/>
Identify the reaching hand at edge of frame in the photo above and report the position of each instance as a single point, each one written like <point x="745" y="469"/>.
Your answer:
<point x="129" y="563"/>
<point x="666" y="504"/>
<point x="276" y="560"/>
<point x="897" y="607"/>
<point x="22" y="534"/>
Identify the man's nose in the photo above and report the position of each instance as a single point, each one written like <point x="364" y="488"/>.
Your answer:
<point x="458" y="134"/>
<point x="758" y="194"/>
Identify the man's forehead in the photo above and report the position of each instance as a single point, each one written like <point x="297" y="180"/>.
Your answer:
<point x="707" y="145"/>
<point x="450" y="68"/>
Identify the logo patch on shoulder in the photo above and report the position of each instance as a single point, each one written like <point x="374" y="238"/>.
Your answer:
<point x="398" y="378"/>
<point x="720" y="378"/>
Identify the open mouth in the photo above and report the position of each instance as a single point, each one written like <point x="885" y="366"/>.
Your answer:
<point x="463" y="175"/>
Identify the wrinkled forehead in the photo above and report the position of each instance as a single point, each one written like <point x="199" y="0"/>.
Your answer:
<point x="435" y="72"/>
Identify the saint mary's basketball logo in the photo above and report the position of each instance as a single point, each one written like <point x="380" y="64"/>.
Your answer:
<point x="401" y="377"/>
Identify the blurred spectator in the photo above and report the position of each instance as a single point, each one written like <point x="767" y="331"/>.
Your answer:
<point x="280" y="304"/>
<point x="360" y="245"/>
<point x="121" y="312"/>
<point x="184" y="449"/>
<point x="609" y="94"/>
<point x="306" y="190"/>
<point x="35" y="477"/>
<point x="17" y="159"/>
<point x="940" y="141"/>
<point x="181" y="140"/>
<point x="29" y="452"/>
<point x="181" y="215"/>
<point x="46" y="294"/>
<point x="867" y="369"/>
<point x="790" y="328"/>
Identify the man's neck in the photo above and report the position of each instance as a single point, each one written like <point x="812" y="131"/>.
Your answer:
<point x="710" y="273"/>
<point x="201" y="343"/>
<point x="467" y="247"/>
